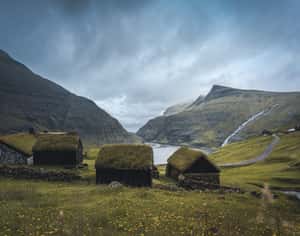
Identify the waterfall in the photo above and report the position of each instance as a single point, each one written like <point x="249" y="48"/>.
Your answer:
<point x="252" y="118"/>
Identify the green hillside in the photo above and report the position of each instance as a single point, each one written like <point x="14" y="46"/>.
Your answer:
<point x="209" y="121"/>
<point x="281" y="170"/>
<point x="28" y="100"/>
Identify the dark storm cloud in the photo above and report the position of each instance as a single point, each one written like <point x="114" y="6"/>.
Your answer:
<point x="136" y="57"/>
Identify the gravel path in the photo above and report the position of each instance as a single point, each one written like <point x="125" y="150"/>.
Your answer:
<point x="261" y="157"/>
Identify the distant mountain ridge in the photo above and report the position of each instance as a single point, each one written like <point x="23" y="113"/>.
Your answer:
<point x="209" y="120"/>
<point x="174" y="109"/>
<point x="28" y="100"/>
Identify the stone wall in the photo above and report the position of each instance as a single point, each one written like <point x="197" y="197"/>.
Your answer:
<point x="199" y="181"/>
<point x="24" y="172"/>
<point x="10" y="156"/>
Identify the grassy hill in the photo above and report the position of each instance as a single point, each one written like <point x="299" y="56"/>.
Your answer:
<point x="208" y="121"/>
<point x="281" y="170"/>
<point x="28" y="100"/>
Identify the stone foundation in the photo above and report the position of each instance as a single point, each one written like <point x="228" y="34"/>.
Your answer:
<point x="10" y="156"/>
<point x="199" y="181"/>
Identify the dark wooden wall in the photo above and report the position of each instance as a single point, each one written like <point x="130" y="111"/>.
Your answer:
<point x="68" y="158"/>
<point x="138" y="178"/>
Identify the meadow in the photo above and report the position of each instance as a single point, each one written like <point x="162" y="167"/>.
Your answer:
<point x="42" y="208"/>
<point x="83" y="208"/>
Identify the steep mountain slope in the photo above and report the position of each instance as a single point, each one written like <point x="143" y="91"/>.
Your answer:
<point x="208" y="121"/>
<point x="172" y="110"/>
<point x="28" y="100"/>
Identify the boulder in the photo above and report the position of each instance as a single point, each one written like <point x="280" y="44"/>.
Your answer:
<point x="115" y="184"/>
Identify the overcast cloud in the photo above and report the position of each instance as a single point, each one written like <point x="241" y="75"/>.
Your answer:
<point x="134" y="58"/>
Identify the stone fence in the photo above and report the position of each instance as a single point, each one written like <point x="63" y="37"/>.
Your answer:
<point x="23" y="172"/>
<point x="203" y="182"/>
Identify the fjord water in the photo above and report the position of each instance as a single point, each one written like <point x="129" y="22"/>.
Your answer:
<point x="293" y="193"/>
<point x="162" y="152"/>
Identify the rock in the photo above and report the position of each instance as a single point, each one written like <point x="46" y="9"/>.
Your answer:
<point x="115" y="184"/>
<point x="193" y="183"/>
<point x="30" y="161"/>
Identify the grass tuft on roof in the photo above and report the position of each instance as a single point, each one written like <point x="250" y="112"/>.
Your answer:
<point x="56" y="142"/>
<point x="125" y="156"/>
<point x="185" y="157"/>
<point x="22" y="142"/>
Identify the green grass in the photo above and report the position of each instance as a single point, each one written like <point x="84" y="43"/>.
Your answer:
<point x="56" y="142"/>
<point x="125" y="156"/>
<point x="41" y="208"/>
<point x="241" y="151"/>
<point x="83" y="208"/>
<point x="21" y="141"/>
<point x="92" y="153"/>
<point x="184" y="157"/>
<point x="281" y="170"/>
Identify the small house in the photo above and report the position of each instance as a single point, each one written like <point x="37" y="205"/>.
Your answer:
<point x="190" y="162"/>
<point x="16" y="149"/>
<point x="62" y="149"/>
<point x="291" y="130"/>
<point x="129" y="164"/>
<point x="266" y="132"/>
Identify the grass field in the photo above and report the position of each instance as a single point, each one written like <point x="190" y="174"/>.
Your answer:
<point x="41" y="208"/>
<point x="83" y="208"/>
<point x="241" y="151"/>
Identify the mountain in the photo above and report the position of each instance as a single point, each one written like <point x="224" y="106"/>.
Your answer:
<point x="172" y="110"/>
<point x="210" y="120"/>
<point x="28" y="100"/>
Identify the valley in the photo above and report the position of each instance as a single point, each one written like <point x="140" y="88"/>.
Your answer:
<point x="149" y="118"/>
<point x="255" y="170"/>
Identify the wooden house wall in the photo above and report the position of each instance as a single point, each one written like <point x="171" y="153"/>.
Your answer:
<point x="138" y="178"/>
<point x="55" y="158"/>
<point x="202" y="166"/>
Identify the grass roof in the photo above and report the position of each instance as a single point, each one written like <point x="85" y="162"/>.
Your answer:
<point x="56" y="142"/>
<point x="22" y="142"/>
<point x="125" y="156"/>
<point x="185" y="157"/>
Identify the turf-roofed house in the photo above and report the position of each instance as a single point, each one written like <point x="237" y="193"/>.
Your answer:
<point x="129" y="164"/>
<point x="193" y="164"/>
<point x="61" y="149"/>
<point x="16" y="149"/>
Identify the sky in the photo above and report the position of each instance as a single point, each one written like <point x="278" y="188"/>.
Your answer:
<point x="134" y="58"/>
